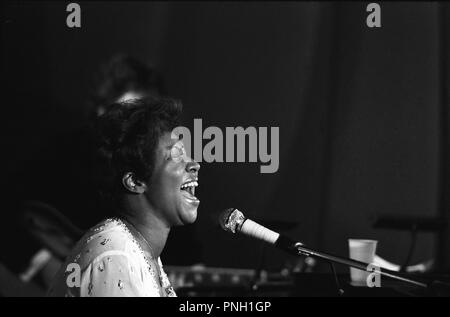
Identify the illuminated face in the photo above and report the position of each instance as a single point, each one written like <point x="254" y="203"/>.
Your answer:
<point x="129" y="95"/>
<point x="171" y="189"/>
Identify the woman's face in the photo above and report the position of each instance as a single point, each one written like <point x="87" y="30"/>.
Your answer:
<point x="171" y="189"/>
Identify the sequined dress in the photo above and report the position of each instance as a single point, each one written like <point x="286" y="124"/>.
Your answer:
<point x="108" y="261"/>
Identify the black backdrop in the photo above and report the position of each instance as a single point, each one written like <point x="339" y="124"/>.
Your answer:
<point x="362" y="112"/>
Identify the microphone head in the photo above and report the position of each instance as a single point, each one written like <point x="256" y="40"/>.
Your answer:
<point x="231" y="220"/>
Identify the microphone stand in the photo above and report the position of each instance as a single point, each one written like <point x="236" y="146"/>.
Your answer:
<point x="232" y="220"/>
<point x="356" y="264"/>
<point x="299" y="249"/>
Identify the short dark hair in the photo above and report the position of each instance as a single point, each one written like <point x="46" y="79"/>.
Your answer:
<point x="127" y="135"/>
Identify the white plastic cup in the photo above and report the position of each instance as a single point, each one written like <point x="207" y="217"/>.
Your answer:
<point x="361" y="250"/>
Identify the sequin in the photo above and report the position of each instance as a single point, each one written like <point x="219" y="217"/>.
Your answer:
<point x="120" y="284"/>
<point x="170" y="292"/>
<point x="100" y="267"/>
<point x="109" y="220"/>
<point x="99" y="228"/>
<point x="105" y="241"/>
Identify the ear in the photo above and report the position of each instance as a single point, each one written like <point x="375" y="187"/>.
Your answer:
<point x="133" y="185"/>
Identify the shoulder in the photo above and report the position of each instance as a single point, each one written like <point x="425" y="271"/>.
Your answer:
<point x="105" y="262"/>
<point x="107" y="238"/>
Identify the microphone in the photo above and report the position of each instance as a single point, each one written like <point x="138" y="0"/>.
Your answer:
<point x="232" y="220"/>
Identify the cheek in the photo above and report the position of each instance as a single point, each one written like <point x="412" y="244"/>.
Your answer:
<point x="167" y="184"/>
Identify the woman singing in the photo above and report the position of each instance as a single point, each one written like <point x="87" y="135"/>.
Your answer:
<point x="150" y="182"/>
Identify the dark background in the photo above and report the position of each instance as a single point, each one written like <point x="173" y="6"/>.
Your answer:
<point x="362" y="113"/>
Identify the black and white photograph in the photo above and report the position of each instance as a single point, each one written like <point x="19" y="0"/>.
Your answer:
<point x="227" y="153"/>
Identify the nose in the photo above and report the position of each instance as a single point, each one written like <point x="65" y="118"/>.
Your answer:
<point x="192" y="166"/>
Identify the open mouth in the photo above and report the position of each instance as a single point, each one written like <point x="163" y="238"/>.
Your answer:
<point x="189" y="188"/>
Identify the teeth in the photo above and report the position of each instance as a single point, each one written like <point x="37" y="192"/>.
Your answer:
<point x="190" y="184"/>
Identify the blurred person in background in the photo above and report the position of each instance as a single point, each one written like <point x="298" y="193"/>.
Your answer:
<point x="123" y="78"/>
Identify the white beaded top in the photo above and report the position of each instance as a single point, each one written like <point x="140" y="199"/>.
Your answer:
<point x="111" y="262"/>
